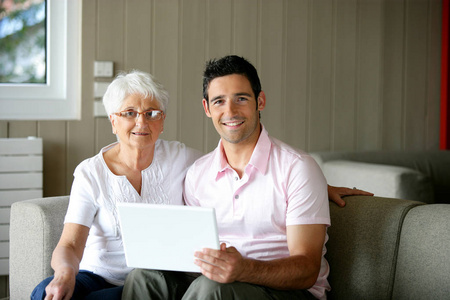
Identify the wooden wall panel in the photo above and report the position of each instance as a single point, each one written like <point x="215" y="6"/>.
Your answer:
<point x="246" y="27"/>
<point x="165" y="53"/>
<point x="416" y="83"/>
<point x="319" y="126"/>
<point x="218" y="44"/>
<point x="344" y="76"/>
<point x="393" y="82"/>
<point x="110" y="39"/>
<point x="369" y="74"/>
<point x="53" y="134"/>
<point x="219" y="28"/>
<point x="103" y="134"/>
<point x="296" y="67"/>
<point x="4" y="129"/>
<point x="271" y="68"/>
<point x="22" y="129"/>
<point x="138" y="33"/>
<point x="191" y="66"/>
<point x="433" y="56"/>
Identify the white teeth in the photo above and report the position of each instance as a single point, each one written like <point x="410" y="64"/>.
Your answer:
<point x="233" y="124"/>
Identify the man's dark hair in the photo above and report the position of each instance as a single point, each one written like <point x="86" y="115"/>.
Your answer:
<point x="229" y="65"/>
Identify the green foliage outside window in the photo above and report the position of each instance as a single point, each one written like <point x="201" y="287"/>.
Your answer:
<point x="23" y="41"/>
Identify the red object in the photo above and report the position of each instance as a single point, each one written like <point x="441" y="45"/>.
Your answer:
<point x="445" y="100"/>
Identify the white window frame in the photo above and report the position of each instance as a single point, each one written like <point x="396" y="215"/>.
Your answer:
<point x="60" y="97"/>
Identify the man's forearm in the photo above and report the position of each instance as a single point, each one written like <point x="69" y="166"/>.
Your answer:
<point x="294" y="272"/>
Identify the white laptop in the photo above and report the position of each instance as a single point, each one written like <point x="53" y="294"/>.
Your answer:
<point x="165" y="237"/>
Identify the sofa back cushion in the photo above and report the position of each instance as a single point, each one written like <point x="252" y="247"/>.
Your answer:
<point x="434" y="164"/>
<point x="423" y="264"/>
<point x="382" y="180"/>
<point x="363" y="244"/>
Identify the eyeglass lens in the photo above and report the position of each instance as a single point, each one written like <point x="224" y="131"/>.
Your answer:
<point x="152" y="115"/>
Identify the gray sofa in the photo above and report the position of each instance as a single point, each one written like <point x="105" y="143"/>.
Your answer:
<point x="414" y="175"/>
<point x="379" y="248"/>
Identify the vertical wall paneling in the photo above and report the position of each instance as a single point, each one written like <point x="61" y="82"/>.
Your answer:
<point x="219" y="28"/>
<point x="165" y="52"/>
<point x="369" y="74"/>
<point x="53" y="134"/>
<point x="296" y="72"/>
<point x="245" y="27"/>
<point x="191" y="64"/>
<point x="138" y="19"/>
<point x="433" y="74"/>
<point x="344" y="75"/>
<point x="444" y="142"/>
<point x="3" y="129"/>
<point x="103" y="134"/>
<point x="394" y="68"/>
<point x="320" y="76"/>
<point x="110" y="39"/>
<point x="271" y="66"/>
<point x="22" y="128"/>
<point x="416" y="88"/>
<point x="219" y="42"/>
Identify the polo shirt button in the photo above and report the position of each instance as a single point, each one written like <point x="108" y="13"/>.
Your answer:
<point x="236" y="197"/>
<point x="236" y="178"/>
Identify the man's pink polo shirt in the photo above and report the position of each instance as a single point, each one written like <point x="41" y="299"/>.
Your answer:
<point x="281" y="186"/>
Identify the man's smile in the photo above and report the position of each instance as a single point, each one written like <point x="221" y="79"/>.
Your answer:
<point x="232" y="123"/>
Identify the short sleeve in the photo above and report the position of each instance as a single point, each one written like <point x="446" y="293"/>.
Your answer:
<point x="189" y="188"/>
<point x="82" y="207"/>
<point x="307" y="201"/>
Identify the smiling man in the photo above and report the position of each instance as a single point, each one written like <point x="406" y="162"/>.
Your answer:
<point x="271" y="200"/>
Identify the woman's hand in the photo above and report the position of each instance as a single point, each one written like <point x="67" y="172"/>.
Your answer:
<point x="62" y="286"/>
<point x="66" y="260"/>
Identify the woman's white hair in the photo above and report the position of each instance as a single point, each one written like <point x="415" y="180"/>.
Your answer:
<point x="134" y="82"/>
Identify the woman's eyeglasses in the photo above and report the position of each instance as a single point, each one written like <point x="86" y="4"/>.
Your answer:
<point x="132" y="115"/>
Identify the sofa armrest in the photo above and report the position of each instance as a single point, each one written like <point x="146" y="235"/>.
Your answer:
<point x="35" y="229"/>
<point x="363" y="244"/>
<point x="423" y="265"/>
<point x="382" y="180"/>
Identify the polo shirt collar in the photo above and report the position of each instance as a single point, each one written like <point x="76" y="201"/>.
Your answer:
<point x="259" y="158"/>
<point x="261" y="153"/>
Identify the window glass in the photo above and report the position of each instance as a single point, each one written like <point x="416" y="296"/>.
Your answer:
<point x="23" y="41"/>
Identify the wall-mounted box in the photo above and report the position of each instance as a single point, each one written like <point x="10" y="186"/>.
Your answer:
<point x="103" y="69"/>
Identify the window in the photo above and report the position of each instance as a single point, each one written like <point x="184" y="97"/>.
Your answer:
<point x="58" y="97"/>
<point x="22" y="40"/>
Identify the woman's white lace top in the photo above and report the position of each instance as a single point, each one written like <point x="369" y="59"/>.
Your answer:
<point x="96" y="191"/>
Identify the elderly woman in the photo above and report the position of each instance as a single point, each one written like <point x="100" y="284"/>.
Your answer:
<point x="89" y="260"/>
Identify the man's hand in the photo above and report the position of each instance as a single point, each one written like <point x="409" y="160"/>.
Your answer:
<point x="224" y="265"/>
<point x="335" y="194"/>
